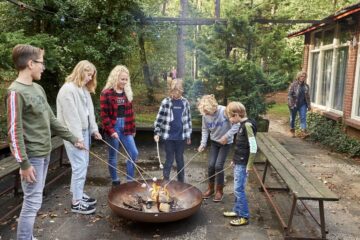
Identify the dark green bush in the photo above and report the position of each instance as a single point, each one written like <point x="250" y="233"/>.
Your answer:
<point x="330" y="133"/>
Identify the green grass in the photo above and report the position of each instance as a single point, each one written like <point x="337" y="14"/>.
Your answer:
<point x="147" y="120"/>
<point x="280" y="110"/>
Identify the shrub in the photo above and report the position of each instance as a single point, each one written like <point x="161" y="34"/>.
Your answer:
<point x="330" y="133"/>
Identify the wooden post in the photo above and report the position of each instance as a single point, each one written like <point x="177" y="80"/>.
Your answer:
<point x="180" y="42"/>
<point x="217" y="8"/>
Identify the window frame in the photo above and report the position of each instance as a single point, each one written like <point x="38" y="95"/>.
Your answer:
<point x="356" y="93"/>
<point x="334" y="46"/>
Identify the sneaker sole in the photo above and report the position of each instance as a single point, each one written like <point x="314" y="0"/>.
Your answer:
<point x="230" y="215"/>
<point x="83" y="212"/>
<point x="234" y="224"/>
<point x="91" y="203"/>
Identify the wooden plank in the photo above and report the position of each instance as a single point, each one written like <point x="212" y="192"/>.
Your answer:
<point x="9" y="164"/>
<point x="312" y="192"/>
<point x="321" y="188"/>
<point x="185" y="21"/>
<point x="312" y="182"/>
<point x="281" y="170"/>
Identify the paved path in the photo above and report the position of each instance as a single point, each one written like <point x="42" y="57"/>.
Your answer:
<point x="55" y="221"/>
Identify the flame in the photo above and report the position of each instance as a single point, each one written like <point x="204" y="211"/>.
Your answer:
<point x="159" y="192"/>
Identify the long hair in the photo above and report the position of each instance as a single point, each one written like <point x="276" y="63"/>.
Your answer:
<point x="114" y="78"/>
<point x="299" y="74"/>
<point x="78" y="75"/>
<point x="207" y="104"/>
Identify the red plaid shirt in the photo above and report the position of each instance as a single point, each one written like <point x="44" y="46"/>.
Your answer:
<point x="108" y="113"/>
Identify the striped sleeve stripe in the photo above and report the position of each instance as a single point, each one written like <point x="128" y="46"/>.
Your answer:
<point x="12" y="130"/>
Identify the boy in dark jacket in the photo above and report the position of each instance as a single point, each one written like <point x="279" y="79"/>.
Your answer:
<point x="245" y="151"/>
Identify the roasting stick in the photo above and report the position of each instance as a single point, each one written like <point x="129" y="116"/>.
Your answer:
<point x="102" y="160"/>
<point x="177" y="172"/>
<point x="161" y="166"/>
<point x="206" y="179"/>
<point x="137" y="167"/>
<point x="125" y="157"/>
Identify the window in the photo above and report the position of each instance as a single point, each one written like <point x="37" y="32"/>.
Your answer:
<point x="326" y="77"/>
<point x="341" y="65"/>
<point x="355" y="113"/>
<point x="314" y="75"/>
<point x="329" y="56"/>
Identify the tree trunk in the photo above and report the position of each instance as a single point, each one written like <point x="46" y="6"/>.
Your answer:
<point x="146" y="69"/>
<point x="164" y="7"/>
<point x="217" y="8"/>
<point x="180" y="42"/>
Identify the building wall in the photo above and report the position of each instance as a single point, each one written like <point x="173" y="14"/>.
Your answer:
<point x="352" y="126"/>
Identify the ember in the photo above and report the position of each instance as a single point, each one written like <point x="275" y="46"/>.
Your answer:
<point x="157" y="200"/>
<point x="178" y="200"/>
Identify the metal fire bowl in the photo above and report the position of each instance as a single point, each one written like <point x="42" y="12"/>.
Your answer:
<point x="189" y="200"/>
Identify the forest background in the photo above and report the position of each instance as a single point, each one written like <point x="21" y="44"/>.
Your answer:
<point x="242" y="60"/>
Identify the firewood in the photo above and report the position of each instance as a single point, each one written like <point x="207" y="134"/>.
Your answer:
<point x="164" y="207"/>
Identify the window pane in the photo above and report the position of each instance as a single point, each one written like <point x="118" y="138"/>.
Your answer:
<point x="328" y="36"/>
<point x="357" y="102"/>
<point x="314" y="76"/>
<point x="345" y="32"/>
<point x="317" y="39"/>
<point x="340" y="78"/>
<point x="326" y="78"/>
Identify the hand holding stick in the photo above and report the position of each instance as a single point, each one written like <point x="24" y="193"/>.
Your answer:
<point x="157" y="148"/>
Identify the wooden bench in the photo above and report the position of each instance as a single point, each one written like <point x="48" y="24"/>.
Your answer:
<point x="9" y="166"/>
<point x="300" y="184"/>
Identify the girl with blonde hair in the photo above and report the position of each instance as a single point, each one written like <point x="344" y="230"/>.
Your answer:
<point x="75" y="110"/>
<point x="118" y="120"/>
<point x="217" y="124"/>
<point x="173" y="125"/>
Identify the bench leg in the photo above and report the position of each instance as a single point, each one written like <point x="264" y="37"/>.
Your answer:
<point x="287" y="231"/>
<point x="265" y="171"/>
<point x="322" y="219"/>
<point x="16" y="184"/>
<point x="61" y="155"/>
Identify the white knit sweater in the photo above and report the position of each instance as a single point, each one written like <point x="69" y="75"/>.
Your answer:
<point x="75" y="109"/>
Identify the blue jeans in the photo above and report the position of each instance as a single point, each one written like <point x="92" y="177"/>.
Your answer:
<point x="241" y="204"/>
<point x="79" y="160"/>
<point x="129" y="143"/>
<point x="302" y="114"/>
<point x="33" y="196"/>
<point x="174" y="148"/>
<point x="217" y="158"/>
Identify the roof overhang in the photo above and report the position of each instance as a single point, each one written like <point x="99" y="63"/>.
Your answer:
<point x="343" y="13"/>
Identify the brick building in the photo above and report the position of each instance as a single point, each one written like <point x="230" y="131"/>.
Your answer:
<point x="332" y="61"/>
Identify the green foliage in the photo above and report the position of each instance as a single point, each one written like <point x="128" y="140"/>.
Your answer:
<point x="279" y="110"/>
<point x="330" y="133"/>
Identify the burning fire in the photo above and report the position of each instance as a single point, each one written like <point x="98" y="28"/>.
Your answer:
<point x="159" y="194"/>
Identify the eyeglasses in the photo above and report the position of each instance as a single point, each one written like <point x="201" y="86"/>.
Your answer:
<point x="39" y="62"/>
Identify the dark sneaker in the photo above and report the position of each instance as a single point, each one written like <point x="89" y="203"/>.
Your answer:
<point x="88" y="200"/>
<point x="82" y="208"/>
